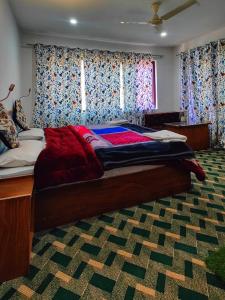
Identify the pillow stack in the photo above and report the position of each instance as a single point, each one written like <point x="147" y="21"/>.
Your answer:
<point x="19" y="116"/>
<point x="8" y="132"/>
<point x="18" y="150"/>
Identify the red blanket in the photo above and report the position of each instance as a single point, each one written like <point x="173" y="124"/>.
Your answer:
<point x="67" y="158"/>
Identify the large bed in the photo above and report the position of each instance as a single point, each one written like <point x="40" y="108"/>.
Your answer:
<point x="24" y="210"/>
<point x="55" y="176"/>
<point x="124" y="183"/>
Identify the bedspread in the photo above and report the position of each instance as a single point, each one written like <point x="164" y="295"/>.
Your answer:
<point x="77" y="153"/>
<point x="128" y="147"/>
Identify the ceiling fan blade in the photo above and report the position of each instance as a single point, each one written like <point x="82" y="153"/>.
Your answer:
<point x="179" y="9"/>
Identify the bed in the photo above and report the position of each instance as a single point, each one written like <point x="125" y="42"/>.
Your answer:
<point x="24" y="212"/>
<point x="123" y="183"/>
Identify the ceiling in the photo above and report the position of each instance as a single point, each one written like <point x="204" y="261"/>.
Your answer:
<point x="100" y="19"/>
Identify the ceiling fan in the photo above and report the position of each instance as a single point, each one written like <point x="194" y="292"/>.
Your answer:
<point x="157" y="20"/>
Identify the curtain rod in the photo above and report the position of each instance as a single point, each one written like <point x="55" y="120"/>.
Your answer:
<point x="29" y="45"/>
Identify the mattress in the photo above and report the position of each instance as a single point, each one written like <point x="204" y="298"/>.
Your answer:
<point x="129" y="170"/>
<point x="16" y="172"/>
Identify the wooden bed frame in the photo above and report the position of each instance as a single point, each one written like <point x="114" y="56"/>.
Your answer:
<point x="65" y="204"/>
<point x="24" y="211"/>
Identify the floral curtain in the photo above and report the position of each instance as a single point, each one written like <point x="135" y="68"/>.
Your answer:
<point x="62" y="87"/>
<point x="102" y="86"/>
<point x="58" y="80"/>
<point x="138" y="86"/>
<point x="203" y="87"/>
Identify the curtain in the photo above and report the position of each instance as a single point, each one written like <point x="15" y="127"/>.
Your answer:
<point x="102" y="86"/>
<point x="203" y="87"/>
<point x="58" y="80"/>
<point x="71" y="80"/>
<point x="221" y="93"/>
<point x="138" y="86"/>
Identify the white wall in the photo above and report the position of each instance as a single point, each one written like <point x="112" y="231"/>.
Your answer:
<point x="9" y="54"/>
<point x="27" y="71"/>
<point x="165" y="65"/>
<point x="200" y="41"/>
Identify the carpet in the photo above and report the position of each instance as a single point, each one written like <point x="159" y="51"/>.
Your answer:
<point x="152" y="251"/>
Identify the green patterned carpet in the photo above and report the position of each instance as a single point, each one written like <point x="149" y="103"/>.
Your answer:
<point x="153" y="251"/>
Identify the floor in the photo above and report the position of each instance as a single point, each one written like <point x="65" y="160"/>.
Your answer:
<point x="153" y="251"/>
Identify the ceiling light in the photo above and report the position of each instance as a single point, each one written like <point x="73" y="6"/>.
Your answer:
<point x="122" y="22"/>
<point x="73" y="21"/>
<point x="163" y="34"/>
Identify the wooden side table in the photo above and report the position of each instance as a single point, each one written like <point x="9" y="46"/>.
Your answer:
<point x="156" y="120"/>
<point x="197" y="134"/>
<point x="15" y="226"/>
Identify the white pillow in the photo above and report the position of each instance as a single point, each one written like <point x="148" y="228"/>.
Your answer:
<point x="118" y="121"/>
<point x="31" y="134"/>
<point x="25" y="155"/>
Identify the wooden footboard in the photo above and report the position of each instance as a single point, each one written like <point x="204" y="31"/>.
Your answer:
<point x="65" y="204"/>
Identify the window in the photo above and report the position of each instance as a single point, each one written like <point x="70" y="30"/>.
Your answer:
<point x="145" y="86"/>
<point x="146" y="95"/>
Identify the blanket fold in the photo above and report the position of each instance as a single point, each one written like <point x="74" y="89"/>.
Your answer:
<point x="166" y="136"/>
<point x="67" y="158"/>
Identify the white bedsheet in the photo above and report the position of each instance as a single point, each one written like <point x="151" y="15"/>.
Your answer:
<point x="32" y="134"/>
